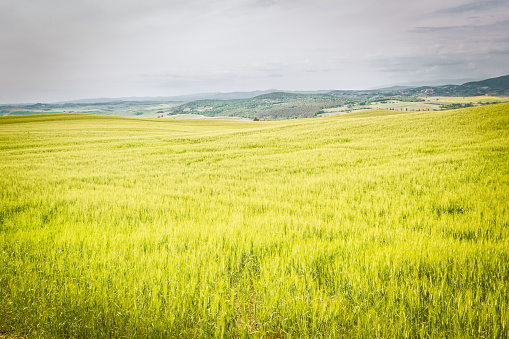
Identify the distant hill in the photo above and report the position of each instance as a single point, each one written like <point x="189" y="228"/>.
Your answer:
<point x="289" y="105"/>
<point x="393" y="88"/>
<point x="421" y="83"/>
<point x="274" y="104"/>
<point x="176" y="98"/>
<point x="186" y="97"/>
<point x="494" y="86"/>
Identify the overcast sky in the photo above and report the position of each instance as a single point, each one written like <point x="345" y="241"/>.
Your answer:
<point x="54" y="50"/>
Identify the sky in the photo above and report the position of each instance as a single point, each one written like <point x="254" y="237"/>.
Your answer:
<point x="55" y="50"/>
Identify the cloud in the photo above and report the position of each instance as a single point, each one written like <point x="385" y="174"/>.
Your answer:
<point x="264" y="3"/>
<point x="446" y="66"/>
<point x="474" y="40"/>
<point x="497" y="26"/>
<point x="500" y="51"/>
<point x="413" y="64"/>
<point x="55" y="48"/>
<point x="473" y="7"/>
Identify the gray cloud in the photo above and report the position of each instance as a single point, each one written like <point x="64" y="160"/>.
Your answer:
<point x="501" y="51"/>
<point x="473" y="7"/>
<point x="448" y="66"/>
<point x="417" y="63"/>
<point x="55" y="49"/>
<point x="492" y="27"/>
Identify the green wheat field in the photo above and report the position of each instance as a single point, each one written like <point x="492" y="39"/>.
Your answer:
<point x="364" y="225"/>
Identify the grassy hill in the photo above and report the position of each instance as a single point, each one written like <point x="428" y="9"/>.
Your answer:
<point x="372" y="224"/>
<point x="280" y="105"/>
<point x="277" y="105"/>
<point x="495" y="86"/>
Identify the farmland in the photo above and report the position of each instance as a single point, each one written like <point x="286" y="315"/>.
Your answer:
<point x="370" y="224"/>
<point x="145" y="109"/>
<point x="268" y="106"/>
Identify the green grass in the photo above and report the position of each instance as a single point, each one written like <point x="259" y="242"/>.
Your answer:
<point x="465" y="100"/>
<point x="373" y="224"/>
<point x="417" y="104"/>
<point x="17" y="112"/>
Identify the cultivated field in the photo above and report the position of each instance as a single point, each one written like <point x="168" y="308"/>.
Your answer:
<point x="379" y="224"/>
<point x="427" y="104"/>
<point x="473" y="100"/>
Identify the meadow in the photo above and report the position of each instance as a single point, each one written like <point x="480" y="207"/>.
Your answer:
<point x="145" y="109"/>
<point x="430" y="103"/>
<point x="377" y="224"/>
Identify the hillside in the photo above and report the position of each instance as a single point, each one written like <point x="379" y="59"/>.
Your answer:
<point x="281" y="105"/>
<point x="495" y="86"/>
<point x="371" y="224"/>
<point x="274" y="106"/>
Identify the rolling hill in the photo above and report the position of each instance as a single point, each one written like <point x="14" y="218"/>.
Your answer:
<point x="371" y="224"/>
<point x="274" y="105"/>
<point x="495" y="86"/>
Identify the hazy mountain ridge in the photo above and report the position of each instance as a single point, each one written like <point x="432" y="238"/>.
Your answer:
<point x="186" y="97"/>
<point x="273" y="104"/>
<point x="492" y="86"/>
<point x="422" y="83"/>
<point x="284" y="105"/>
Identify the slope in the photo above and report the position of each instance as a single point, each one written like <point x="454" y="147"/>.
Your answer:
<point x="372" y="224"/>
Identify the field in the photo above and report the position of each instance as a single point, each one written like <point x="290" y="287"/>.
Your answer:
<point x="473" y="100"/>
<point x="269" y="106"/>
<point x="378" y="224"/>
<point x="394" y="105"/>
<point x="427" y="104"/>
<point x="145" y="109"/>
